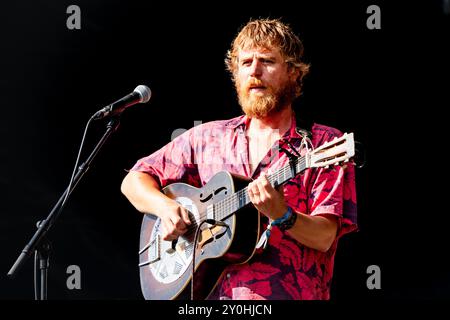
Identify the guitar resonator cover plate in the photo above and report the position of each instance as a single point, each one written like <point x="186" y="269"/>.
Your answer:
<point x="173" y="262"/>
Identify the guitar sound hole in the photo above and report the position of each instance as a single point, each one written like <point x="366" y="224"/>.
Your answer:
<point x="219" y="234"/>
<point x="220" y="189"/>
<point x="205" y="199"/>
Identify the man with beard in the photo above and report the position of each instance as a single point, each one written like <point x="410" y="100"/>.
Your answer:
<point x="313" y="210"/>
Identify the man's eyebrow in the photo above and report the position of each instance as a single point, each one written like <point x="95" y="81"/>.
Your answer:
<point x="267" y="56"/>
<point x="260" y="56"/>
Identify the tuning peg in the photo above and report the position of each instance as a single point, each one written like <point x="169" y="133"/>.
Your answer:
<point x="346" y="160"/>
<point x="326" y="167"/>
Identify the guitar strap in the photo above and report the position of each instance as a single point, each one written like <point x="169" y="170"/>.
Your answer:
<point x="304" y="128"/>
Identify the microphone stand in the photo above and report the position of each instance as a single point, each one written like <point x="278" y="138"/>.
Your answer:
<point x="39" y="242"/>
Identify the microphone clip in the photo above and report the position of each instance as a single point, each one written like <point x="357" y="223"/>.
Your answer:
<point x="102" y="113"/>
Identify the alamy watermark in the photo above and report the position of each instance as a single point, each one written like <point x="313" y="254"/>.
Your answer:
<point x="211" y="144"/>
<point x="73" y="21"/>
<point x="374" y="20"/>
<point x="74" y="279"/>
<point x="374" y="280"/>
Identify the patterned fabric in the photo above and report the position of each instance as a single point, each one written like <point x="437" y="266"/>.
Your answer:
<point x="286" y="269"/>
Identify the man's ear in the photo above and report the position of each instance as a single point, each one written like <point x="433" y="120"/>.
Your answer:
<point x="294" y="72"/>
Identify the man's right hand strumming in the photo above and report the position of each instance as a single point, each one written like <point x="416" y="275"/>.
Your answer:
<point x="143" y="192"/>
<point x="175" y="220"/>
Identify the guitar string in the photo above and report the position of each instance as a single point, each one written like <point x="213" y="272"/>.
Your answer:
<point x="228" y="203"/>
<point x="232" y="203"/>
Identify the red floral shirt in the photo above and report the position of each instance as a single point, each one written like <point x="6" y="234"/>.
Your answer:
<point x="285" y="269"/>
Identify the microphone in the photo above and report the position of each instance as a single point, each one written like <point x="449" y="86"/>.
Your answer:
<point x="141" y="94"/>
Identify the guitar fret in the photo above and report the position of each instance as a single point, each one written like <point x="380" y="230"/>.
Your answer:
<point x="236" y="201"/>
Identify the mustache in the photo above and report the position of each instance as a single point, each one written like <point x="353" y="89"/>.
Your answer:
<point x="254" y="83"/>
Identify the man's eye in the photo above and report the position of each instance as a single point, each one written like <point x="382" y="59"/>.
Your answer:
<point x="246" y="63"/>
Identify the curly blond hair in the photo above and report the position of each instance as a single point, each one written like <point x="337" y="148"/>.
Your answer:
<point x="269" y="33"/>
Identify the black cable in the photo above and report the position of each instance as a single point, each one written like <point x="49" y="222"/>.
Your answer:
<point x="77" y="160"/>
<point x="213" y="223"/>
<point x="35" y="276"/>
<point x="35" y="271"/>
<point x="36" y="285"/>
<point x="193" y="257"/>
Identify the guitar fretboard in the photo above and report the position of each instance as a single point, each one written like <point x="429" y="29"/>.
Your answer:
<point x="228" y="206"/>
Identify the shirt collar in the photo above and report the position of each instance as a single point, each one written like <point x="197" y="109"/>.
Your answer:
<point x="292" y="133"/>
<point x="240" y="121"/>
<point x="243" y="121"/>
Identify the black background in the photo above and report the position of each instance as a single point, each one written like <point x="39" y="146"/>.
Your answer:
<point x="387" y="86"/>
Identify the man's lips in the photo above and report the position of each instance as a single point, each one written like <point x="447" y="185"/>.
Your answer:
<point x="256" y="88"/>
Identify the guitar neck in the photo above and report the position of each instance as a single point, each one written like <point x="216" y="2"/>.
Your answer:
<point x="228" y="206"/>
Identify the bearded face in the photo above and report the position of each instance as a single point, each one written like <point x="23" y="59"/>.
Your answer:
<point x="259" y="99"/>
<point x="263" y="82"/>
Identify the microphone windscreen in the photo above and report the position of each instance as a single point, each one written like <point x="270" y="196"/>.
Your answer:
<point x="144" y="92"/>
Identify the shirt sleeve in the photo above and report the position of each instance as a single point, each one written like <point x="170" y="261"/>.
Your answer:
<point x="172" y="163"/>
<point x="333" y="192"/>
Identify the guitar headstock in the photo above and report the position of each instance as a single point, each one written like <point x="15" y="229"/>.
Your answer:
<point x="333" y="152"/>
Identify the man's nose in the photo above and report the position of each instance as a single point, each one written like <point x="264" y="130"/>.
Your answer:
<point x="256" y="69"/>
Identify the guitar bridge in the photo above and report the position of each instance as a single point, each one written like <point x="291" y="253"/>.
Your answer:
<point x="172" y="248"/>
